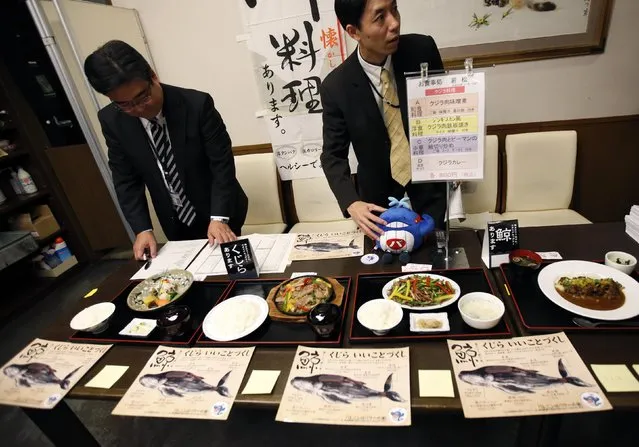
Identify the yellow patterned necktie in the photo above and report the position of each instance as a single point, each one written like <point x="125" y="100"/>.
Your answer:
<point x="400" y="149"/>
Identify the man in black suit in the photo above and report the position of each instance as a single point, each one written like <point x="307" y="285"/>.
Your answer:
<point x="364" y="103"/>
<point x="171" y="140"/>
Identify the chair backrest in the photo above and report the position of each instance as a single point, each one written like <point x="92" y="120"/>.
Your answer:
<point x="258" y="176"/>
<point x="314" y="200"/>
<point x="481" y="196"/>
<point x="540" y="170"/>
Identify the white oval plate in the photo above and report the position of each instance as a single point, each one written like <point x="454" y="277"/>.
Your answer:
<point x="550" y="274"/>
<point x="218" y="334"/>
<point x="92" y="316"/>
<point x="388" y="287"/>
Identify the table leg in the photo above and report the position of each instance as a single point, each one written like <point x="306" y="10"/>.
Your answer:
<point x="62" y="426"/>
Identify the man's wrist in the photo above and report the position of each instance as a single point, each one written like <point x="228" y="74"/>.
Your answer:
<point x="222" y="219"/>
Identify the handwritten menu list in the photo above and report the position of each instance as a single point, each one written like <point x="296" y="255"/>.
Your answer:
<point x="447" y="130"/>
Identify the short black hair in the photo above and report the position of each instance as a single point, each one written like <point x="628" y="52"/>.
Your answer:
<point x="350" y="12"/>
<point x="114" y="64"/>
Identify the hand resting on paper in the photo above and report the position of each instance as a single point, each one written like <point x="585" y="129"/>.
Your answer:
<point x="220" y="232"/>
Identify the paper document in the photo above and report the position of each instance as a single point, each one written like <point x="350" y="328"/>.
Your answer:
<point x="329" y="245"/>
<point x="271" y="250"/>
<point x="174" y="255"/>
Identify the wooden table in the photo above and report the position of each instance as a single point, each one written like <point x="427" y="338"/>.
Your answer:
<point x="431" y="354"/>
<point x="573" y="242"/>
<point x="587" y="243"/>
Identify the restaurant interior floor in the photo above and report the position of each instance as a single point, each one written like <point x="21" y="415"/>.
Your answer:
<point x="248" y="427"/>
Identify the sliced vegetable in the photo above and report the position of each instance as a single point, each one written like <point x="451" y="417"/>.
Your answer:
<point x="421" y="290"/>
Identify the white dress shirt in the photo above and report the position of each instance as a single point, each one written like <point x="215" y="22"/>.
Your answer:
<point x="147" y="127"/>
<point x="374" y="73"/>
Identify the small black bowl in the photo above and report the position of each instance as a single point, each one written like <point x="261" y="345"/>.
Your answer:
<point x="324" y="319"/>
<point x="174" y="319"/>
<point x="526" y="259"/>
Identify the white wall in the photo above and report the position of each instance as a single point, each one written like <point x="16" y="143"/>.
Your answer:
<point x="193" y="44"/>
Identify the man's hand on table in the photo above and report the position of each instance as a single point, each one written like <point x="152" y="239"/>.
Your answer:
<point x="362" y="215"/>
<point x="145" y="240"/>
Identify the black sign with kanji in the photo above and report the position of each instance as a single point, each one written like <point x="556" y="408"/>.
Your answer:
<point x="240" y="260"/>
<point x="503" y="236"/>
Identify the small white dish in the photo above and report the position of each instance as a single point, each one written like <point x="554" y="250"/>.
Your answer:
<point x="139" y="327"/>
<point x="421" y="322"/>
<point x="380" y="315"/>
<point x="486" y="300"/>
<point x="217" y="325"/>
<point x="622" y="261"/>
<point x="93" y="319"/>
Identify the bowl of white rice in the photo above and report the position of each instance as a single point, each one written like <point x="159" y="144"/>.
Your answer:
<point x="380" y="315"/>
<point x="235" y="318"/>
<point x="481" y="310"/>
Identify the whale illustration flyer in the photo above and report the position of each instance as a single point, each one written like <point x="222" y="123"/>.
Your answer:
<point x="523" y="376"/>
<point x="196" y="383"/>
<point x="328" y="245"/>
<point x="348" y="387"/>
<point x="42" y="373"/>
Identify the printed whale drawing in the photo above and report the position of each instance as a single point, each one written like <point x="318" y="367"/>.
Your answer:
<point x="324" y="247"/>
<point x="178" y="383"/>
<point x="32" y="374"/>
<point x="513" y="380"/>
<point x="340" y="389"/>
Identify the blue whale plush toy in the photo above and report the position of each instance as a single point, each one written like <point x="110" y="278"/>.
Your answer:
<point x="405" y="230"/>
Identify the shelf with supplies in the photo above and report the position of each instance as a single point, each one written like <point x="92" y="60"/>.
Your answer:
<point x="50" y="238"/>
<point x="12" y="156"/>
<point x="19" y="202"/>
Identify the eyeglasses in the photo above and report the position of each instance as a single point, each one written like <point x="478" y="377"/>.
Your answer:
<point x="142" y="98"/>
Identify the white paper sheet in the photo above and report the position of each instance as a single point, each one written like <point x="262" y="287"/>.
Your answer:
<point x="173" y="255"/>
<point x="271" y="250"/>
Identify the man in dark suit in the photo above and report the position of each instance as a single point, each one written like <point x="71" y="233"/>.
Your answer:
<point x="171" y="140"/>
<point x="364" y="103"/>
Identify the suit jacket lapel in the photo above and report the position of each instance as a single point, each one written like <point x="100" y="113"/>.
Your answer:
<point x="363" y="93"/>
<point x="174" y="111"/>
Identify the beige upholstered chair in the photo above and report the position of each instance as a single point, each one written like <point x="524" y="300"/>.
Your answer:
<point x="317" y="208"/>
<point x="480" y="197"/>
<point x="540" y="176"/>
<point x="258" y="176"/>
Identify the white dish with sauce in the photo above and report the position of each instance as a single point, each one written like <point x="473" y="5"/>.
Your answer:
<point x="553" y="272"/>
<point x="429" y="322"/>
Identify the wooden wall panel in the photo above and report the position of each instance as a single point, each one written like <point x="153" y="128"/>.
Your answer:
<point x="607" y="164"/>
<point x="84" y="188"/>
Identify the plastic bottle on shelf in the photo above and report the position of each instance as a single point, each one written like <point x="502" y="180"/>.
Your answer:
<point x="61" y="249"/>
<point x="15" y="183"/>
<point x="50" y="257"/>
<point x="26" y="181"/>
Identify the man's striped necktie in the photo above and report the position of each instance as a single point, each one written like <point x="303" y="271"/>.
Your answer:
<point x="164" y="153"/>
